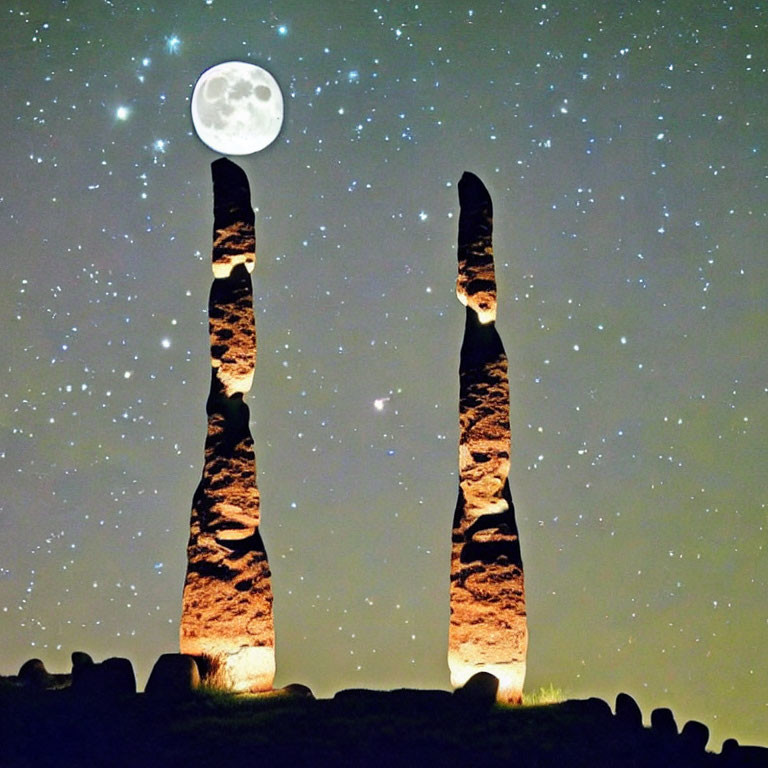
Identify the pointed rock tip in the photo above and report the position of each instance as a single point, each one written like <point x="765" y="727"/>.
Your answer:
<point x="230" y="184"/>
<point x="224" y="164"/>
<point x="472" y="191"/>
<point x="224" y="167"/>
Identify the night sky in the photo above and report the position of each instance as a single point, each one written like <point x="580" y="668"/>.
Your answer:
<point x="624" y="146"/>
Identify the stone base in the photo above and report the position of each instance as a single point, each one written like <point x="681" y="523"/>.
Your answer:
<point x="245" y="670"/>
<point x="511" y="677"/>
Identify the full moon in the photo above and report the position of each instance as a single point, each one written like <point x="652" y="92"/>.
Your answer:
<point x="237" y="108"/>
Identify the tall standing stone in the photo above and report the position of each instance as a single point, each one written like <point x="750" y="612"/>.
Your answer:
<point x="226" y="620"/>
<point x="488" y="626"/>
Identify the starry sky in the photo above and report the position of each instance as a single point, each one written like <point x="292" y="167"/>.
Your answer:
<point x="624" y="146"/>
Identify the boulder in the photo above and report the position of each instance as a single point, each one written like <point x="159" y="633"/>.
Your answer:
<point x="481" y="690"/>
<point x="174" y="675"/>
<point x="81" y="659"/>
<point x="113" y="678"/>
<point x="694" y="736"/>
<point x="118" y="676"/>
<point x="730" y="747"/>
<point x="628" y="712"/>
<point x="297" y="691"/>
<point x="663" y="722"/>
<point x="33" y="674"/>
<point x="81" y="665"/>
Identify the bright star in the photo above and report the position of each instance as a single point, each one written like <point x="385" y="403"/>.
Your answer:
<point x="121" y="113"/>
<point x="172" y="44"/>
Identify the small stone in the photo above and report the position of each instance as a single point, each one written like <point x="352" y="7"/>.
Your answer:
<point x="694" y="736"/>
<point x="297" y="691"/>
<point x="663" y="722"/>
<point x="81" y="659"/>
<point x="480" y="689"/>
<point x="34" y="675"/>
<point x="628" y="712"/>
<point x="174" y="675"/>
<point x="734" y="755"/>
<point x="81" y="666"/>
<point x="119" y="675"/>
<point x="730" y="747"/>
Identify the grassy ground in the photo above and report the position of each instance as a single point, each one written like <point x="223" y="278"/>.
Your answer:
<point x="363" y="728"/>
<point x="547" y="694"/>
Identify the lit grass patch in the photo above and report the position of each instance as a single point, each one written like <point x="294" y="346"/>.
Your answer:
<point x="547" y="694"/>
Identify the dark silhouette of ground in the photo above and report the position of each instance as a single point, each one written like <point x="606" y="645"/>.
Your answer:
<point x="62" y="727"/>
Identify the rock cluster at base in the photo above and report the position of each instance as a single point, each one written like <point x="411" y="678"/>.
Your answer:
<point x="177" y="725"/>
<point x="488" y="626"/>
<point x="226" y="620"/>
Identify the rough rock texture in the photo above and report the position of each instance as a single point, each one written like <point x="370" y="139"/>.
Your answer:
<point x="488" y="628"/>
<point x="233" y="219"/>
<point x="476" y="281"/>
<point x="226" y="618"/>
<point x="230" y="308"/>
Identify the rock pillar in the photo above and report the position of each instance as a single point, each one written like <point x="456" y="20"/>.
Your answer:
<point x="488" y="627"/>
<point x="226" y="620"/>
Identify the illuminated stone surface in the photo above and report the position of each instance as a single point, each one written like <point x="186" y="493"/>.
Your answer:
<point x="233" y="219"/>
<point x="488" y="627"/>
<point x="230" y="308"/>
<point x="226" y="620"/>
<point x="476" y="281"/>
